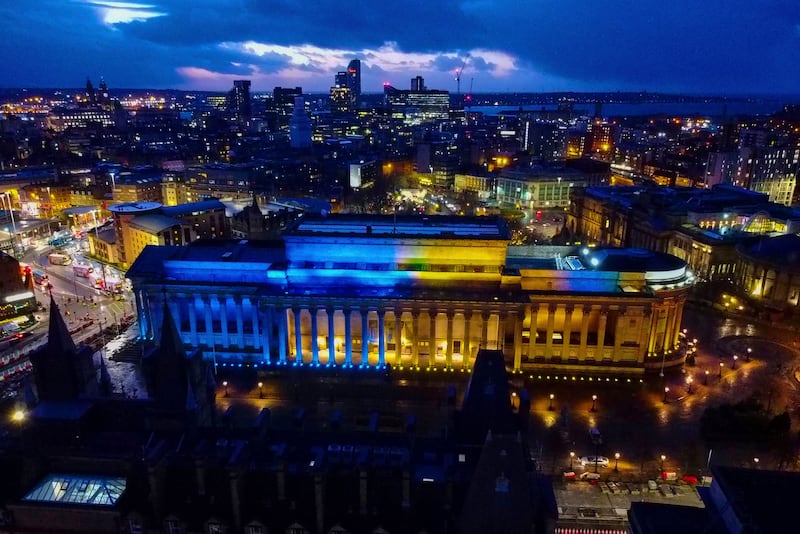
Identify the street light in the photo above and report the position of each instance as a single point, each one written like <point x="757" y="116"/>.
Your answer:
<point x="755" y="461"/>
<point x="225" y="385"/>
<point x="594" y="403"/>
<point x="18" y="416"/>
<point x="705" y="380"/>
<point x="571" y="458"/>
<point x="749" y="352"/>
<point x="689" y="381"/>
<point x="721" y="365"/>
<point x="663" y="457"/>
<point x="616" y="461"/>
<point x="552" y="396"/>
<point x="261" y="390"/>
<point x="735" y="357"/>
<point x="666" y="390"/>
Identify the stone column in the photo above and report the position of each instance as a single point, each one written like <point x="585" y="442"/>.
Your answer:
<point x="415" y="337"/>
<point x="283" y="335"/>
<point x="193" y="320"/>
<point x="143" y="314"/>
<point x="331" y="313"/>
<point x="381" y="338"/>
<point x="449" y="349"/>
<point x="533" y="310"/>
<point x="364" y="336"/>
<point x="501" y="331"/>
<point x="669" y="332"/>
<point x="254" y="322"/>
<point x="348" y="338"/>
<point x="567" y="330"/>
<point x="266" y="334"/>
<point x="398" y="336"/>
<point x="519" y="317"/>
<point x="466" y="346"/>
<point x="210" y="335"/>
<point x="677" y="325"/>
<point x="432" y="313"/>
<point x="586" y="311"/>
<point x="551" y="320"/>
<point x="237" y="306"/>
<point x="314" y="335"/>
<point x="601" y="330"/>
<point x="485" y="315"/>
<point x="298" y="335"/>
<point x="223" y="320"/>
<point x="619" y="328"/>
<point x="655" y="316"/>
<point x="644" y="334"/>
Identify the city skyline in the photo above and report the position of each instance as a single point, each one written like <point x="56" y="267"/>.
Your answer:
<point x="711" y="47"/>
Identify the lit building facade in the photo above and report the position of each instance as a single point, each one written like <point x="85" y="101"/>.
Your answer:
<point x="415" y="293"/>
<point x="538" y="188"/>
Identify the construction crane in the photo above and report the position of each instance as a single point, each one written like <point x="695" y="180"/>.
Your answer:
<point x="458" y="75"/>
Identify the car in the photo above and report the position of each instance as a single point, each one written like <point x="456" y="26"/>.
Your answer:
<point x="651" y="485"/>
<point x="600" y="461"/>
<point x="588" y="475"/>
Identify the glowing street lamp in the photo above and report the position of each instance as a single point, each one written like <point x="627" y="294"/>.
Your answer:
<point x="18" y="416"/>
<point x="666" y="390"/>
<point x="663" y="457"/>
<point x="755" y="461"/>
<point x="749" y="352"/>
<point x="594" y="403"/>
<point x="225" y="385"/>
<point x="550" y="407"/>
<point x="721" y="365"/>
<point x="616" y="461"/>
<point x="705" y="380"/>
<point x="261" y="390"/>
<point x="689" y="381"/>
<point x="735" y="357"/>
<point x="571" y="459"/>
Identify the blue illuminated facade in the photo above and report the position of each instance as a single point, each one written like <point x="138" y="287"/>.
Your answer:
<point x="367" y="291"/>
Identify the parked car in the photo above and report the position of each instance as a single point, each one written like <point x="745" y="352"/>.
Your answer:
<point x="651" y="485"/>
<point x="588" y="475"/>
<point x="600" y="461"/>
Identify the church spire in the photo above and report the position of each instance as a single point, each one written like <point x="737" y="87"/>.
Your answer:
<point x="59" y="340"/>
<point x="171" y="342"/>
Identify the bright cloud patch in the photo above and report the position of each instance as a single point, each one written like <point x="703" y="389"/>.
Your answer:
<point x="388" y="57"/>
<point x="123" y="12"/>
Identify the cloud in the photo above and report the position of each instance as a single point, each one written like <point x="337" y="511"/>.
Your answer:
<point x="685" y="45"/>
<point x="123" y="12"/>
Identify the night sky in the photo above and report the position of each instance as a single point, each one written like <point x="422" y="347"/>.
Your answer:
<point x="694" y="46"/>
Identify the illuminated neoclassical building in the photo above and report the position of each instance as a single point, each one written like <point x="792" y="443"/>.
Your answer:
<point x="368" y="291"/>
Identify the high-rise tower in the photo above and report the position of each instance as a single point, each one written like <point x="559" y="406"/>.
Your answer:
<point x="300" y="125"/>
<point x="354" y="80"/>
<point x="239" y="101"/>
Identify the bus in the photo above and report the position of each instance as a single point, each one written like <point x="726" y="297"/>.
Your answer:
<point x="59" y="259"/>
<point x="82" y="269"/>
<point x="40" y="277"/>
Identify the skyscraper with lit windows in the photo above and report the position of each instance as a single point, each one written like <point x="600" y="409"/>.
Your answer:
<point x="354" y="81"/>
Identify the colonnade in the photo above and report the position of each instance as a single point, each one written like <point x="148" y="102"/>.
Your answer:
<point x="414" y="334"/>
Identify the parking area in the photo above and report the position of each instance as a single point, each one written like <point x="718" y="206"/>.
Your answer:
<point x="605" y="503"/>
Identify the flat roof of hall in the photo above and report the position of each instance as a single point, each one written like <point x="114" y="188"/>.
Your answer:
<point x="446" y="226"/>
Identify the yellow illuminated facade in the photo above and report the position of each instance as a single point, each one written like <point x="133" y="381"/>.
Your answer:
<point x="419" y="294"/>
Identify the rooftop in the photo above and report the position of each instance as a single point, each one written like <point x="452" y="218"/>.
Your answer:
<point x="134" y="207"/>
<point x="192" y="207"/>
<point x="153" y="222"/>
<point x="90" y="490"/>
<point x="403" y="226"/>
